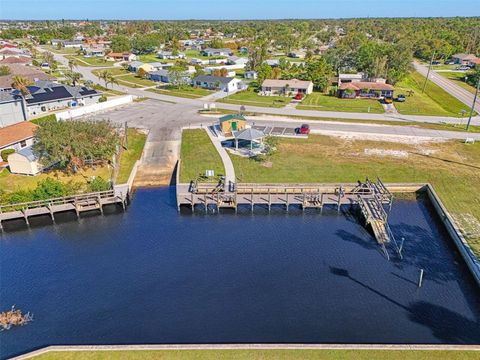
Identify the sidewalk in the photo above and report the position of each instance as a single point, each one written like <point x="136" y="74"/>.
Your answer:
<point x="227" y="162"/>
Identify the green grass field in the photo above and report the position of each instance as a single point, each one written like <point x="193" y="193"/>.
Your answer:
<point x="323" y="102"/>
<point x="250" y="97"/>
<point x="262" y="355"/>
<point x="187" y="92"/>
<point x="136" y="143"/>
<point x="458" y="78"/>
<point x="115" y="71"/>
<point x="434" y="102"/>
<point x="453" y="168"/>
<point x="93" y="61"/>
<point x="148" y="58"/>
<point x="198" y="154"/>
<point x="132" y="80"/>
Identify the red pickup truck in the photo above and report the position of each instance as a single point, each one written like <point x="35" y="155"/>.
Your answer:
<point x="303" y="130"/>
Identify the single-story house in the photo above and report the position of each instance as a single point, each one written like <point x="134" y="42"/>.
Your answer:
<point x="22" y="60"/>
<point x="365" y="89"/>
<point x="31" y="73"/>
<point x="475" y="63"/>
<point x="72" y="44"/>
<point x="146" y="67"/>
<point x="286" y="87"/>
<point x="231" y="123"/>
<point x="243" y="50"/>
<point x="227" y="84"/>
<point x="47" y="96"/>
<point x="126" y="56"/>
<point x="17" y="136"/>
<point x="235" y="60"/>
<point x="24" y="162"/>
<point x="463" y="59"/>
<point x="134" y="66"/>
<point x="273" y="62"/>
<point x="11" y="52"/>
<point x="170" y="55"/>
<point x="217" y="52"/>
<point x="12" y="110"/>
<point x="251" y="75"/>
<point x="94" y="52"/>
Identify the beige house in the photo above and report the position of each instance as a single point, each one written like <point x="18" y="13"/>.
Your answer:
<point x="24" y="162"/>
<point x="286" y="87"/>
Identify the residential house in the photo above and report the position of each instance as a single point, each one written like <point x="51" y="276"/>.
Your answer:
<point x="31" y="73"/>
<point x="474" y="63"/>
<point x="25" y="162"/>
<point x="47" y="96"/>
<point x="365" y="89"/>
<point x="93" y="52"/>
<point x="239" y="61"/>
<point x="217" y="52"/>
<point x="12" y="109"/>
<point x="72" y="43"/>
<point x="163" y="75"/>
<point x="251" y="75"/>
<point x="227" y="84"/>
<point x="134" y="66"/>
<point x="21" y="60"/>
<point x="286" y="87"/>
<point x="146" y="67"/>
<point x="126" y="56"/>
<point x="170" y="55"/>
<point x="11" y="52"/>
<point x="232" y="123"/>
<point x="346" y="78"/>
<point x="273" y="62"/>
<point x="463" y="59"/>
<point x="17" y="136"/>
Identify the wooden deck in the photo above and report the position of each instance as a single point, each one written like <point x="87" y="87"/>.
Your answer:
<point x="78" y="204"/>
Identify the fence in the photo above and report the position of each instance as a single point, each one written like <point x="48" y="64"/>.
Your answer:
<point x="84" y="110"/>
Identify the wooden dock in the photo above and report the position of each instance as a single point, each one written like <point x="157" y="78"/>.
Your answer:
<point x="371" y="197"/>
<point x="78" y="204"/>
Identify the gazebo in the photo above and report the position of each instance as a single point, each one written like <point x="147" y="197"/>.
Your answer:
<point x="251" y="135"/>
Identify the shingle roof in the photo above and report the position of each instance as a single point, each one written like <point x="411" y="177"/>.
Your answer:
<point x="359" y="85"/>
<point x="16" y="60"/>
<point x="30" y="72"/>
<point x="213" y="79"/>
<point x="15" y="133"/>
<point x="28" y="153"/>
<point x="293" y="83"/>
<point x="249" y="134"/>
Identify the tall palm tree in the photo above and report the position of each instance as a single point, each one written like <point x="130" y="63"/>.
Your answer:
<point x="72" y="64"/>
<point x="21" y="84"/>
<point x="73" y="76"/>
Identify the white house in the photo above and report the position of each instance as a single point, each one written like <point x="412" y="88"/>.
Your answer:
<point x="170" y="55"/>
<point x="217" y="52"/>
<point x="235" y="60"/>
<point x="286" y="87"/>
<point x="251" y="75"/>
<point x="228" y="84"/>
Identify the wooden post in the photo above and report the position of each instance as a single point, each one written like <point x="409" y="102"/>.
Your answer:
<point x="193" y="204"/>
<point x="321" y="203"/>
<point x="236" y="202"/>
<point x="51" y="212"/>
<point x="205" y="202"/>
<point x="251" y="199"/>
<point x="99" y="201"/>
<point x="269" y="200"/>
<point x="287" y="199"/>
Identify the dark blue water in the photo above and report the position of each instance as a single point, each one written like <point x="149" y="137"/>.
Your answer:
<point x="151" y="275"/>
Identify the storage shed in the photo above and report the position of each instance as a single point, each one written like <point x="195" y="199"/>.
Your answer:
<point x="231" y="123"/>
<point x="24" y="162"/>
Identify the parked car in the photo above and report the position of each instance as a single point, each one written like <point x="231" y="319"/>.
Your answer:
<point x="298" y="97"/>
<point x="303" y="130"/>
<point x="435" y="62"/>
<point x="449" y="62"/>
<point x="463" y="67"/>
<point x="401" y="98"/>
<point x="388" y="100"/>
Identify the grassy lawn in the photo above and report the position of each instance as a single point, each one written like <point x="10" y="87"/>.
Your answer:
<point x="54" y="49"/>
<point x="196" y="54"/>
<point x="458" y="78"/>
<point x="136" y="143"/>
<point x="12" y="182"/>
<point x="132" y="80"/>
<point x="323" y="102"/>
<point x="187" y="92"/>
<point x="435" y="101"/>
<point x="115" y="71"/>
<point x="93" y="61"/>
<point x="250" y="97"/>
<point x="198" y="154"/>
<point x="263" y="355"/>
<point x="452" y="167"/>
<point x="148" y="58"/>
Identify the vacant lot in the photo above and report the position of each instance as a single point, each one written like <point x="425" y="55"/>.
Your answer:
<point x="435" y="101"/>
<point x="128" y="157"/>
<point x="132" y="80"/>
<point x="115" y="71"/>
<point x="458" y="78"/>
<point x="262" y="355"/>
<point x="198" y="154"/>
<point x="186" y="92"/>
<point x="322" y="102"/>
<point x="250" y="97"/>
<point x="452" y="167"/>
<point x="93" y="61"/>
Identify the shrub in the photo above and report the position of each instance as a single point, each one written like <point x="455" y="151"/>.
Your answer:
<point x="50" y="188"/>
<point x="102" y="98"/>
<point x="5" y="153"/>
<point x="99" y="184"/>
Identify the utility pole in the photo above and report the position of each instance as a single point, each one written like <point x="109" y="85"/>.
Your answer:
<point x="473" y="105"/>
<point x="428" y="72"/>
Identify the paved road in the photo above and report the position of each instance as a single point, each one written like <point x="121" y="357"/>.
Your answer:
<point x="449" y="86"/>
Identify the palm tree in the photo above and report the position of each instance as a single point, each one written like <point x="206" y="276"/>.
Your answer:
<point x="21" y="84"/>
<point x="107" y="78"/>
<point x="74" y="77"/>
<point x="71" y="64"/>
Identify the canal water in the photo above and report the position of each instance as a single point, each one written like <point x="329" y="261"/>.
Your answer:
<point x="150" y="275"/>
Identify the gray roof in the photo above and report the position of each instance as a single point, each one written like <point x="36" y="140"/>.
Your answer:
<point x="213" y="79"/>
<point x="159" y="72"/>
<point x="6" y="96"/>
<point x="227" y="50"/>
<point x="135" y="64"/>
<point x="28" y="153"/>
<point x="249" y="134"/>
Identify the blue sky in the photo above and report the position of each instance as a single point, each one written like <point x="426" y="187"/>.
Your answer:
<point x="231" y="9"/>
